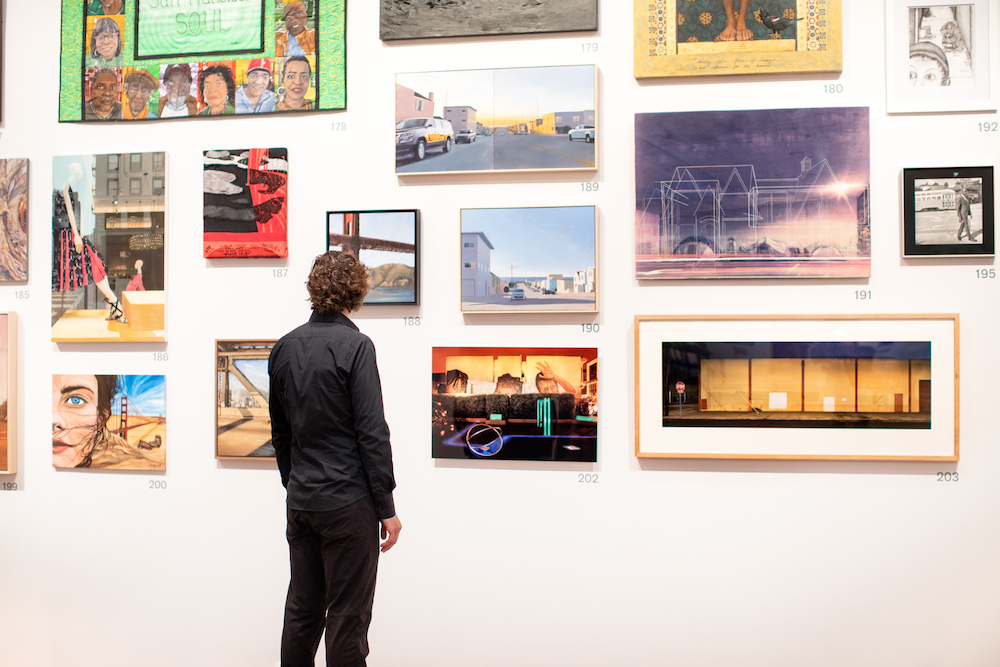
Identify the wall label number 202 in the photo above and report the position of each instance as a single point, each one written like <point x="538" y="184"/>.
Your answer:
<point x="587" y="478"/>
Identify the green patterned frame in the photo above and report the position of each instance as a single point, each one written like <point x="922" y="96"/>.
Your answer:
<point x="330" y="75"/>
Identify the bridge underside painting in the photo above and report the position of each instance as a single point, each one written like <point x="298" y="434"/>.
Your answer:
<point x="753" y="194"/>
<point x="242" y="419"/>
<point x="109" y="421"/>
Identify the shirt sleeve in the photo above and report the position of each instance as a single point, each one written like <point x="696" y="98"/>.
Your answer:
<point x="281" y="431"/>
<point x="371" y="430"/>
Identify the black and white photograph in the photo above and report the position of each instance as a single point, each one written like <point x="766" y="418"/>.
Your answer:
<point x="937" y="57"/>
<point x="417" y="19"/>
<point x="948" y="211"/>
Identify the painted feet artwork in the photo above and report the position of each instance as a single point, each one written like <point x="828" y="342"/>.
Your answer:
<point x="109" y="421"/>
<point x="246" y="203"/>
<point x="778" y="193"/>
<point x="108" y="231"/>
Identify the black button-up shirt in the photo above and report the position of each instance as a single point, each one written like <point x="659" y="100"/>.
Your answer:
<point x="327" y="422"/>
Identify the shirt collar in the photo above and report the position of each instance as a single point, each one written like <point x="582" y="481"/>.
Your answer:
<point x="339" y="318"/>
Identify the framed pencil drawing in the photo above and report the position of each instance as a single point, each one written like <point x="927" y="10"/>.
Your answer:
<point x="242" y="420"/>
<point x="8" y="393"/>
<point x="514" y="403"/>
<point x="541" y="259"/>
<point x="948" y="212"/>
<point x="717" y="37"/>
<point x="387" y="243"/>
<point x="938" y="56"/>
<point x="881" y="387"/>
<point x="488" y="120"/>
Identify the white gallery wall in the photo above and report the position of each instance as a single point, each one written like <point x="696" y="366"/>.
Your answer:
<point x="698" y="563"/>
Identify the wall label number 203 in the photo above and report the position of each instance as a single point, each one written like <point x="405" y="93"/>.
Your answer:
<point x="947" y="477"/>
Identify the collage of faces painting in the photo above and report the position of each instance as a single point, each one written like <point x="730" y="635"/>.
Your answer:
<point x="147" y="60"/>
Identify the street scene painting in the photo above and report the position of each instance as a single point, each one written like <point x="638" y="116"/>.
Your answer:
<point x="150" y="60"/>
<point x="800" y="384"/>
<point x="412" y="19"/>
<point x="779" y="193"/>
<point x="242" y="418"/>
<point x="514" y="403"/>
<point x="13" y="220"/>
<point x="948" y="211"/>
<point x="540" y="259"/>
<point x="8" y="393"/>
<point x="720" y="37"/>
<point x="386" y="243"/>
<point x="108" y="229"/>
<point x="516" y="119"/>
<point x="109" y="422"/>
<point x="246" y="203"/>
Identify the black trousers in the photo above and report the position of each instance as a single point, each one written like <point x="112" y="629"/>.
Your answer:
<point x="334" y="557"/>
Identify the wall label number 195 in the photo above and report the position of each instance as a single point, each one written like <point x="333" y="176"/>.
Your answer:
<point x="986" y="273"/>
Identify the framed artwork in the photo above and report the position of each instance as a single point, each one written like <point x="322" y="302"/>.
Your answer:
<point x="882" y="387"/>
<point x="109" y="421"/>
<point x="130" y="60"/>
<point x="485" y="120"/>
<point x="948" y="212"/>
<point x="14" y="220"/>
<point x="242" y="418"/>
<point x="714" y="200"/>
<point x="937" y="56"/>
<point x="541" y="259"/>
<point x="413" y="19"/>
<point x="108" y="229"/>
<point x="246" y="203"/>
<point x="514" y="403"/>
<point x="387" y="243"/>
<point x="716" y="37"/>
<point x="8" y="393"/>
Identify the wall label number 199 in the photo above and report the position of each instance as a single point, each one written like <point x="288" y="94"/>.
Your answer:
<point x="9" y="486"/>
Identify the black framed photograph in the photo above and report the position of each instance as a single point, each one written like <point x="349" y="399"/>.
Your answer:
<point x="948" y="212"/>
<point x="385" y="242"/>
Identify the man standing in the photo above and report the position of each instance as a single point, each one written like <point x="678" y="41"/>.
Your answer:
<point x="964" y="212"/>
<point x="139" y="85"/>
<point x="178" y="101"/>
<point x="331" y="442"/>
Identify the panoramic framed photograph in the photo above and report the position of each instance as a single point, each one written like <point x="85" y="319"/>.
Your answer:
<point x="14" y="220"/>
<point x="133" y="60"/>
<point x="387" y="243"/>
<point x="417" y="19"/>
<point x="8" y="393"/>
<point x="108" y="228"/>
<point x="714" y="200"/>
<point x="881" y="387"/>
<point x="246" y="203"/>
<point x="718" y="37"/>
<point x="486" y="120"/>
<point x="540" y="259"/>
<point x="948" y="212"/>
<point x="937" y="57"/>
<point x="514" y="403"/>
<point x="109" y="422"/>
<point x="242" y="417"/>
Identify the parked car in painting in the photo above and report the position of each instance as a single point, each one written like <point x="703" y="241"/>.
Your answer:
<point x="415" y="136"/>
<point x="465" y="137"/>
<point x="516" y="294"/>
<point x="585" y="132"/>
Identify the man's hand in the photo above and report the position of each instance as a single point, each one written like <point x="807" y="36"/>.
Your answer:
<point x="390" y="532"/>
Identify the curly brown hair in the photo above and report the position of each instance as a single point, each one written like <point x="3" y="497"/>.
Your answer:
<point x="337" y="282"/>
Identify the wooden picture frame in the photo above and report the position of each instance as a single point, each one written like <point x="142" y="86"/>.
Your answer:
<point x="554" y="250"/>
<point x="793" y="386"/>
<point x="388" y="243"/>
<point x="424" y="20"/>
<point x="242" y="418"/>
<point x="8" y="393"/>
<point x="934" y="201"/>
<point x="490" y="126"/>
<point x="691" y="38"/>
<point x="937" y="56"/>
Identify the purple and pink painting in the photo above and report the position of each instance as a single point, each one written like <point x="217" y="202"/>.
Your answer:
<point x="780" y="193"/>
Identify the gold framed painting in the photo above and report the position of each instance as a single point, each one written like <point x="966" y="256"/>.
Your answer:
<point x="847" y="387"/>
<point x="716" y="37"/>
